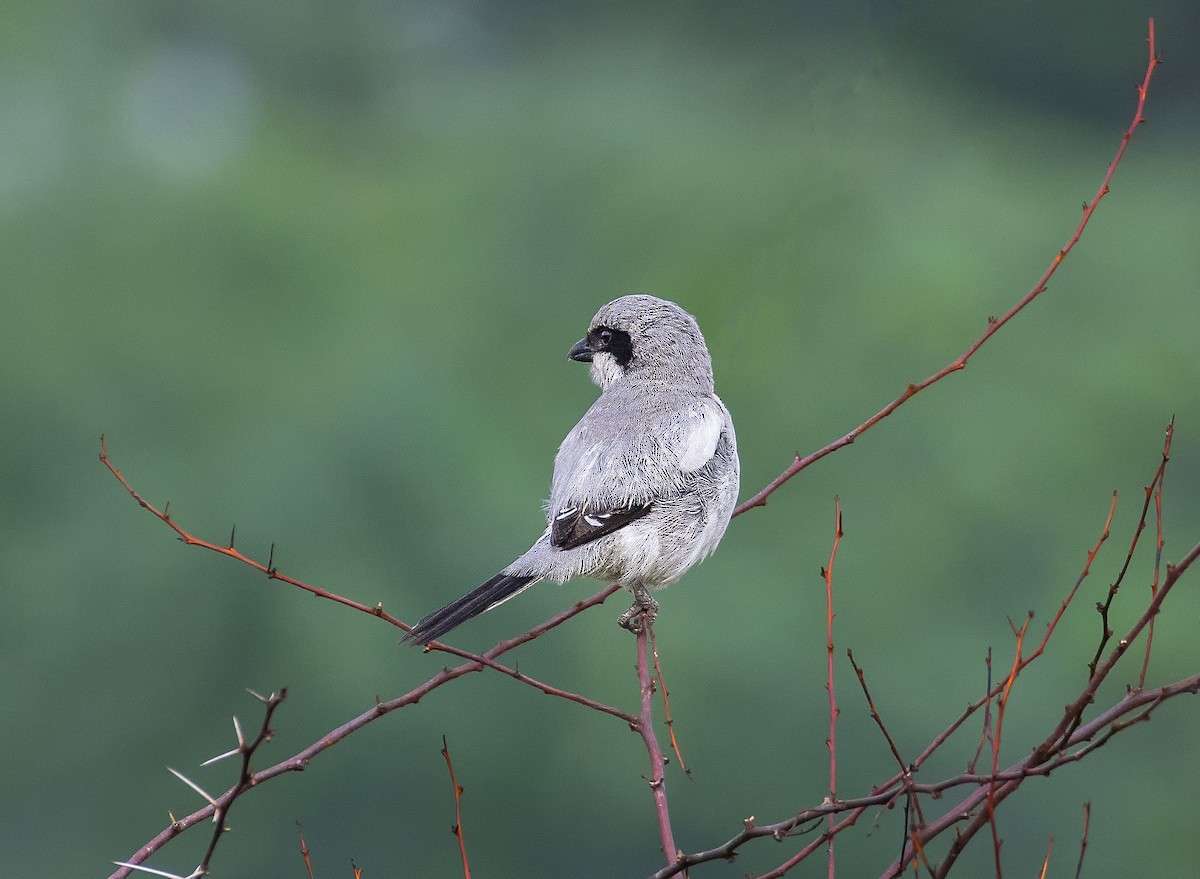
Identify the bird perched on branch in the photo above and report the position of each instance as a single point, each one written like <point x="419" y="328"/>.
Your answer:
<point x="644" y="485"/>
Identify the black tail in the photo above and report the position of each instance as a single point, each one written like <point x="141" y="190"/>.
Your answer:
<point x="496" y="590"/>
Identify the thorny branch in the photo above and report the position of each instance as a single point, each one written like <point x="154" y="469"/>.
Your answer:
<point x="220" y="807"/>
<point x="1069" y="741"/>
<point x="300" y="760"/>
<point x="1101" y="728"/>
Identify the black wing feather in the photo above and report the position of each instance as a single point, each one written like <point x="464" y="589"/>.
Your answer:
<point x="576" y="526"/>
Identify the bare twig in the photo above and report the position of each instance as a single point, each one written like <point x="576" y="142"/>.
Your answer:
<point x="1136" y="701"/>
<point x="1103" y="607"/>
<point x="985" y="734"/>
<point x="645" y="728"/>
<point x="301" y="759"/>
<point x="996" y="736"/>
<point x="862" y="682"/>
<point x="831" y="742"/>
<point x="377" y="610"/>
<point x="218" y="808"/>
<point x="457" y="828"/>
<point x="1087" y="821"/>
<point x="1046" y="860"/>
<point x="666" y="698"/>
<point x="1070" y="730"/>
<point x="304" y="852"/>
<point x="233" y="552"/>
<point x="1055" y="752"/>
<point x="246" y="776"/>
<point x="994" y="324"/>
<point x="1158" y="545"/>
<point x="905" y="769"/>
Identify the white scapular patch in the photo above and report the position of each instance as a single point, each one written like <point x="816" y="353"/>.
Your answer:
<point x="701" y="432"/>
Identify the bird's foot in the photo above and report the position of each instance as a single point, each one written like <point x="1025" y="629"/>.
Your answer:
<point x="641" y="613"/>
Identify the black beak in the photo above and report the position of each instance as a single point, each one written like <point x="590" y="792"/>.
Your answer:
<point x="582" y="352"/>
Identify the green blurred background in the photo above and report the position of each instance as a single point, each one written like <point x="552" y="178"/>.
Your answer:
<point x="314" y="269"/>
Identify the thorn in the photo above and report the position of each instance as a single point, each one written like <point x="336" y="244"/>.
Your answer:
<point x="221" y="756"/>
<point x="237" y="728"/>
<point x="232" y="534"/>
<point x="271" y="562"/>
<point x="258" y="696"/>
<point x="193" y="786"/>
<point x="154" y="872"/>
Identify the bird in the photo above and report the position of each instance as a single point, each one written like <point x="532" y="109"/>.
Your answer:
<point x="644" y="484"/>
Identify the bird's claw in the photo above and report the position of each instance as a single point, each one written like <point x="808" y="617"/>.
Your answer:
<point x="641" y="613"/>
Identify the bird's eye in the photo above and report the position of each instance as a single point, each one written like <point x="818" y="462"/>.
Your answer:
<point x="606" y="340"/>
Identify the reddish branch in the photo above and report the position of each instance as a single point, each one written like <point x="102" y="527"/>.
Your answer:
<point x="831" y="742"/>
<point x="1103" y="607"/>
<point x="300" y="760"/>
<point x="666" y="698"/>
<point x="1087" y="820"/>
<point x="996" y="736"/>
<point x="1158" y="542"/>
<point x="304" y="853"/>
<point x="457" y="828"/>
<point x="484" y="660"/>
<point x="643" y="723"/>
<point x="1101" y="729"/>
<point x="230" y="550"/>
<point x="1069" y="741"/>
<point x="1088" y="736"/>
<point x="1046" y="860"/>
<point x="645" y="728"/>
<point x="1065" y="733"/>
<point x="905" y="770"/>
<point x="1071" y="731"/>
<point x="994" y="323"/>
<point x="219" y="808"/>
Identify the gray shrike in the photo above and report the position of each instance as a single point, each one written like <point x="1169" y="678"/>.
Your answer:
<point x="644" y="484"/>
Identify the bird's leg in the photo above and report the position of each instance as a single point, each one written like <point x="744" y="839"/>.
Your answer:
<point x="642" y="612"/>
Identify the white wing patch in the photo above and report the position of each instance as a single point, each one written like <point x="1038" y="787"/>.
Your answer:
<point x="701" y="432"/>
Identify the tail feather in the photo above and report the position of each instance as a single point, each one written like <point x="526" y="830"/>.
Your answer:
<point x="484" y="597"/>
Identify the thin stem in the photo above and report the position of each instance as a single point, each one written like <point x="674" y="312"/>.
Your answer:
<point x="645" y="727"/>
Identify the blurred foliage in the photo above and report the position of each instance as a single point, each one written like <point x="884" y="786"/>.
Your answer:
<point x="313" y="268"/>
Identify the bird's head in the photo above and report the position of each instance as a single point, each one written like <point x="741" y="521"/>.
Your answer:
<point x="644" y="337"/>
